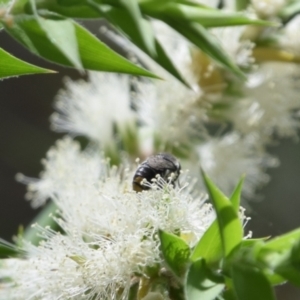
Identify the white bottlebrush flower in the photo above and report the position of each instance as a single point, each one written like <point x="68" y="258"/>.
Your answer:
<point x="270" y="103"/>
<point x="227" y="158"/>
<point x="170" y="111"/>
<point x="59" y="165"/>
<point x="268" y="8"/>
<point x="178" y="49"/>
<point x="95" y="107"/>
<point x="111" y="234"/>
<point x="238" y="49"/>
<point x="290" y="36"/>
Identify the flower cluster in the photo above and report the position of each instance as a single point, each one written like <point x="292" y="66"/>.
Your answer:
<point x="215" y="121"/>
<point x="110" y="230"/>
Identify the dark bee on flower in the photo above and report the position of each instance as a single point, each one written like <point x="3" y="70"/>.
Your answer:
<point x="162" y="165"/>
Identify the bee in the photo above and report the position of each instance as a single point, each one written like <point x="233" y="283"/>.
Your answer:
<point x="162" y="164"/>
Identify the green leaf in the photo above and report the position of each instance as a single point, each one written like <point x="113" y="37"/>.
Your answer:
<point x="274" y="278"/>
<point x="236" y="195"/>
<point x="229" y="294"/>
<point x="202" y="283"/>
<point x="66" y="8"/>
<point x="165" y="61"/>
<point x="210" y="245"/>
<point x="12" y="66"/>
<point x="289" y="268"/>
<point x="277" y="251"/>
<point x="93" y="53"/>
<point x="209" y="44"/>
<point x="203" y="16"/>
<point x="141" y="27"/>
<point x="230" y="227"/>
<point x="175" y="251"/>
<point x="241" y="4"/>
<point x="62" y="34"/>
<point x="124" y="24"/>
<point x="250" y="283"/>
<point x="290" y="10"/>
<point x="283" y="242"/>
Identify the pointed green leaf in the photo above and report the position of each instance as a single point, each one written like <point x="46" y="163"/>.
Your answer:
<point x="289" y="267"/>
<point x="78" y="9"/>
<point x="290" y="10"/>
<point x="283" y="242"/>
<point x="123" y="23"/>
<point x="274" y="278"/>
<point x="250" y="283"/>
<point x="202" y="283"/>
<point x="12" y="66"/>
<point x="290" y="274"/>
<point x="175" y="251"/>
<point x="205" y="17"/>
<point x="230" y="227"/>
<point x="236" y="195"/>
<point x="278" y="250"/>
<point x="62" y="34"/>
<point x="241" y="4"/>
<point x="93" y="53"/>
<point x="209" y="44"/>
<point x="142" y="27"/>
<point x="139" y="32"/>
<point x="229" y="295"/>
<point x="210" y="245"/>
<point x="166" y="62"/>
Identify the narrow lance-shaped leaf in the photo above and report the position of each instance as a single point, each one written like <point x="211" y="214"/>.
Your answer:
<point x="67" y="8"/>
<point x="230" y="227"/>
<point x="122" y="21"/>
<point x="203" y="16"/>
<point x="199" y="36"/>
<point x="210" y="244"/>
<point x="241" y="4"/>
<point x="235" y="198"/>
<point x="142" y="27"/>
<point x="63" y="35"/>
<point x="12" y="66"/>
<point x="250" y="283"/>
<point x="290" y="10"/>
<point x="202" y="283"/>
<point x="281" y="257"/>
<point x="175" y="251"/>
<point x="283" y="242"/>
<point x="93" y="53"/>
<point x="290" y="268"/>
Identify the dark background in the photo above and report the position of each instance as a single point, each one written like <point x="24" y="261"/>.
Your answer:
<point x="25" y="137"/>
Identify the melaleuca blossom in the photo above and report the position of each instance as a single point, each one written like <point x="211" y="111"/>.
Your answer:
<point x="289" y="38"/>
<point x="169" y="112"/>
<point x="110" y="237"/>
<point x="269" y="102"/>
<point x="267" y="8"/>
<point x="95" y="108"/>
<point x="237" y="48"/>
<point x="225" y="159"/>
